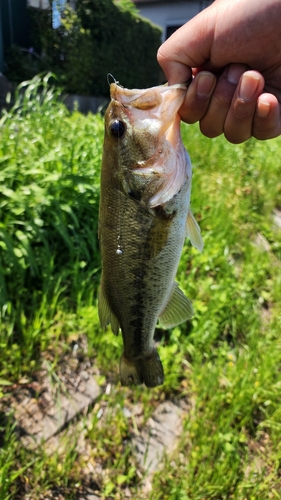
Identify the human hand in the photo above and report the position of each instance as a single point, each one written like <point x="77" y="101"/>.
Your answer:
<point x="232" y="49"/>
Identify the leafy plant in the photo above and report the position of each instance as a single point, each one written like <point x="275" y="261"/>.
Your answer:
<point x="49" y="205"/>
<point x="100" y="37"/>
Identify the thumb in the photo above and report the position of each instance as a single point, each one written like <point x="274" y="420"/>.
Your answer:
<point x="189" y="47"/>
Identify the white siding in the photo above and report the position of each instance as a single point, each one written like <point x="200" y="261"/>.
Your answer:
<point x="42" y="4"/>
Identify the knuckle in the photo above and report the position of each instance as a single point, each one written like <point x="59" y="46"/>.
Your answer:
<point x="199" y="111"/>
<point x="238" y="126"/>
<point x="263" y="135"/>
<point x="237" y="138"/>
<point x="221" y="100"/>
<point x="194" y="108"/>
<point x="240" y="111"/>
<point x="266" y="129"/>
<point x="237" y="130"/>
<point x="161" y="54"/>
<point x="209" y="130"/>
<point x="223" y="94"/>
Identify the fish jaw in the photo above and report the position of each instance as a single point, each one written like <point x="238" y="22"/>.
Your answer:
<point x="161" y="102"/>
<point x="151" y="116"/>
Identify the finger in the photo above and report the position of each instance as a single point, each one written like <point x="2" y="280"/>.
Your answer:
<point x="175" y="71"/>
<point x="197" y="97"/>
<point x="188" y="47"/>
<point x="212" y="124"/>
<point x="267" y="123"/>
<point x="238" y="125"/>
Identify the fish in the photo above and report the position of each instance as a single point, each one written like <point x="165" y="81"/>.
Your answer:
<point x="144" y="218"/>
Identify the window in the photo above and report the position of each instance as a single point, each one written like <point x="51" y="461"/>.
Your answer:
<point x="171" y="29"/>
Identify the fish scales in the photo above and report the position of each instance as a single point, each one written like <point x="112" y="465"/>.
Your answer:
<point x="144" y="218"/>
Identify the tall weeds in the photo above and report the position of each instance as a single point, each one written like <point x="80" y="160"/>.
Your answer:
<point x="49" y="195"/>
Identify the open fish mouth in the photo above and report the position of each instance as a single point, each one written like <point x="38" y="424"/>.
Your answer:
<point x="162" y="103"/>
<point x="154" y="112"/>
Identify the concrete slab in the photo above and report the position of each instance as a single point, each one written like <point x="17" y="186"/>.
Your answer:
<point x="159" y="436"/>
<point x="42" y="421"/>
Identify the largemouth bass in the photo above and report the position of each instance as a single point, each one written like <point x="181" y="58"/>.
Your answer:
<point x="143" y="221"/>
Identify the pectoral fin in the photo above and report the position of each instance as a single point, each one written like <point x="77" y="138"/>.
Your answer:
<point x="177" y="310"/>
<point x="106" y="316"/>
<point x="193" y="232"/>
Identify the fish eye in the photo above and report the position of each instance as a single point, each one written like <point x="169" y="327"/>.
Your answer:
<point x="117" y="129"/>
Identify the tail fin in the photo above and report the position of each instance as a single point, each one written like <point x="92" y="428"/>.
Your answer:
<point x="136" y="371"/>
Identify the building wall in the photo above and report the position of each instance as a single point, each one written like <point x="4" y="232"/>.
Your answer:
<point x="44" y="4"/>
<point x="170" y="14"/>
<point x="39" y="4"/>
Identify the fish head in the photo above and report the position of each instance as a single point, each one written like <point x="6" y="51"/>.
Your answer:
<point x="142" y="131"/>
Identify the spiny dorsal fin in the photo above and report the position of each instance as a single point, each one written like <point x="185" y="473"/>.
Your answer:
<point x="177" y="310"/>
<point x="106" y="316"/>
<point x="193" y="232"/>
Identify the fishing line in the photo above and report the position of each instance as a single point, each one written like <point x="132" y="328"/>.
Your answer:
<point x="108" y="76"/>
<point x="119" y="250"/>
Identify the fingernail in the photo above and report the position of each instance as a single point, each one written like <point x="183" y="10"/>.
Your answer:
<point x="205" y="84"/>
<point x="263" y="109"/>
<point x="234" y="73"/>
<point x="248" y="87"/>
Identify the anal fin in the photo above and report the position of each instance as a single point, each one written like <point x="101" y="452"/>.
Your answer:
<point x="106" y="316"/>
<point x="177" y="310"/>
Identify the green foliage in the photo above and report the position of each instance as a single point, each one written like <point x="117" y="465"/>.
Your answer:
<point x="22" y="63"/>
<point x="110" y="40"/>
<point x="127" y="5"/>
<point x="49" y="173"/>
<point x="43" y="35"/>
<point x="101" y="37"/>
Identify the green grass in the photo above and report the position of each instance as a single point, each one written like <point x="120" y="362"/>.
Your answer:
<point x="226" y="361"/>
<point x="48" y="227"/>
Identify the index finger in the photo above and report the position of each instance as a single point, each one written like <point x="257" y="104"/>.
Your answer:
<point x="175" y="72"/>
<point x="188" y="47"/>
